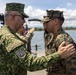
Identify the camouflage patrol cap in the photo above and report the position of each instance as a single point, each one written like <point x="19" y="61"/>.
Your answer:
<point x="51" y="14"/>
<point x="16" y="7"/>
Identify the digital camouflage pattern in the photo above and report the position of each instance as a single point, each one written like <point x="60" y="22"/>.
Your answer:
<point x="63" y="67"/>
<point x="27" y="38"/>
<point x="15" y="60"/>
<point x="16" y="7"/>
<point x="51" y="14"/>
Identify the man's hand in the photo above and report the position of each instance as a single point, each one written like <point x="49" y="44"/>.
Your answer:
<point x="31" y="30"/>
<point x="66" y="51"/>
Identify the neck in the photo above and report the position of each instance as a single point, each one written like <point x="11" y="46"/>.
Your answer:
<point x="11" y="26"/>
<point x="56" y="31"/>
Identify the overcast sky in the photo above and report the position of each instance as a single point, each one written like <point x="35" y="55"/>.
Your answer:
<point x="37" y="8"/>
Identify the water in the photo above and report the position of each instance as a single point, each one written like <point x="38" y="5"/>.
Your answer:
<point x="72" y="33"/>
<point x="38" y="38"/>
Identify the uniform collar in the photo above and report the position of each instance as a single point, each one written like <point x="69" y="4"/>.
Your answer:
<point x="6" y="26"/>
<point x="59" y="31"/>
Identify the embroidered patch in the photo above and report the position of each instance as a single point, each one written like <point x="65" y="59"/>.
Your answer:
<point x="21" y="53"/>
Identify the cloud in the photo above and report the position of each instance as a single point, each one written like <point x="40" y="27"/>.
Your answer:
<point x="34" y="13"/>
<point x="69" y="14"/>
<point x="69" y="4"/>
<point x="2" y="9"/>
<point x="38" y="13"/>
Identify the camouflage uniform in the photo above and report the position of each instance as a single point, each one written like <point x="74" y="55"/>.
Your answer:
<point x="47" y="37"/>
<point x="15" y="60"/>
<point x="26" y="40"/>
<point x="62" y="67"/>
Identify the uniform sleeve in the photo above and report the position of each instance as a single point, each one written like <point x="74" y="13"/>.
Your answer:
<point x="64" y="37"/>
<point x="27" y="61"/>
<point x="68" y="40"/>
<point x="26" y="38"/>
<point x="70" y="62"/>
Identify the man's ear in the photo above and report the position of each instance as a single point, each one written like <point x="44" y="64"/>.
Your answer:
<point x="12" y="17"/>
<point x="56" y="21"/>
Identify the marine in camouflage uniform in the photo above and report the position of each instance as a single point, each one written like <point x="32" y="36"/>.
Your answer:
<point x="47" y="37"/>
<point x="63" y="67"/>
<point x="14" y="59"/>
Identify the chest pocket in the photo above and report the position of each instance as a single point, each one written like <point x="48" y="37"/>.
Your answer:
<point x="52" y="46"/>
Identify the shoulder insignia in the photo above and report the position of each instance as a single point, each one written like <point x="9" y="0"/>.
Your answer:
<point x="13" y="45"/>
<point x="21" y="53"/>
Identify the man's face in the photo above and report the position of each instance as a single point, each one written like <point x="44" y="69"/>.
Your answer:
<point x="49" y="26"/>
<point x="19" y="20"/>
